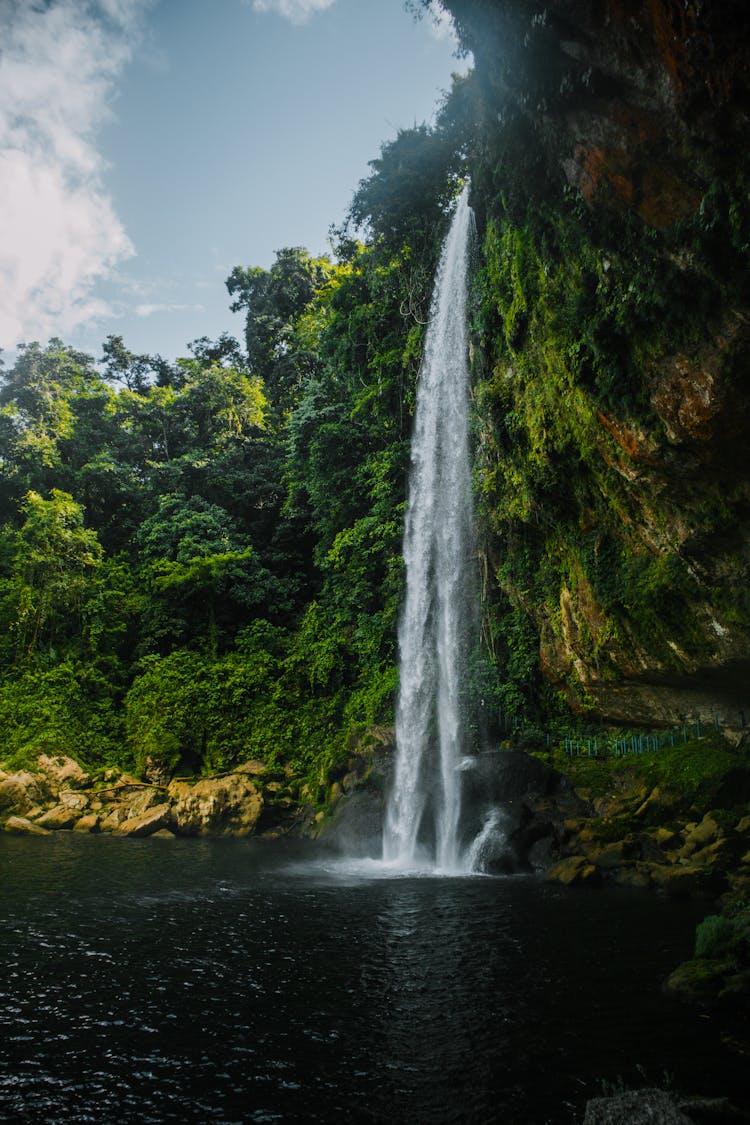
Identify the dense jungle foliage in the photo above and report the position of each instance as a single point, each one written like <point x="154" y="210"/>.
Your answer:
<point x="200" y="561"/>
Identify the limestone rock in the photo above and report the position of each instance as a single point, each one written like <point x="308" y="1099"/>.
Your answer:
<point x="575" y="870"/>
<point x="128" y="800"/>
<point x="62" y="772"/>
<point x="742" y="827"/>
<point x="666" y="838"/>
<point x="20" y="792"/>
<point x="686" y="881"/>
<point x="113" y="819"/>
<point x="89" y="822"/>
<point x="229" y="805"/>
<point x="252" y="768"/>
<point x="58" y="818"/>
<point x="156" y="770"/>
<point x="74" y="800"/>
<point x="147" y="823"/>
<point x="20" y="826"/>
<point x="704" y="833"/>
<point x="633" y="875"/>
<point x="616" y="854"/>
<point x="138" y="800"/>
<point x="699" y="981"/>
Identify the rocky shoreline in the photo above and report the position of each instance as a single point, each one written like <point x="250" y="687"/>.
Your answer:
<point x="59" y="795"/>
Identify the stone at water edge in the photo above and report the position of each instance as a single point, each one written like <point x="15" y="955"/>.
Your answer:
<point x="147" y="824"/>
<point x="575" y="870"/>
<point x="700" y="981"/>
<point x="20" y="792"/>
<point x="230" y="805"/>
<point x="89" y="822"/>
<point x="59" y="818"/>
<point x="129" y="801"/>
<point x="20" y="826"/>
<point x="687" y="881"/>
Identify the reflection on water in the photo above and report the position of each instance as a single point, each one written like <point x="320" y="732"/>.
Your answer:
<point x="235" y="981"/>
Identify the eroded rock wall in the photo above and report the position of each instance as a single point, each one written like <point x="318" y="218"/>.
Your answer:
<point x="612" y="348"/>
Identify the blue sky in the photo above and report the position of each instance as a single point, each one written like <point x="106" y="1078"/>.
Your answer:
<point x="148" y="146"/>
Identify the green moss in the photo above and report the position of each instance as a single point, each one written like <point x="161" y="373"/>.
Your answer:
<point x="699" y="980"/>
<point x="695" y="771"/>
<point x="575" y="311"/>
<point x="721" y="936"/>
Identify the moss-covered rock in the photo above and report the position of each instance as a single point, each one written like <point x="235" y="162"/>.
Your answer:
<point x="700" y="981"/>
<point x="575" y="870"/>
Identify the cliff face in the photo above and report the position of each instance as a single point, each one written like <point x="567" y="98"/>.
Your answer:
<point x="612" y="345"/>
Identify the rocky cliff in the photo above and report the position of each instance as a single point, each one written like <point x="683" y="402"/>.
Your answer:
<point x="611" y="347"/>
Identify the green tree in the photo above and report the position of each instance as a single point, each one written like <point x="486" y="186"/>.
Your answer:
<point x="275" y="299"/>
<point x="48" y="594"/>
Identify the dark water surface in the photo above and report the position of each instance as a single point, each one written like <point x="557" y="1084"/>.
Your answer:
<point x="230" y="981"/>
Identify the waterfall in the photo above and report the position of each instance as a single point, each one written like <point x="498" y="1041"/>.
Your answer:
<point x="423" y="818"/>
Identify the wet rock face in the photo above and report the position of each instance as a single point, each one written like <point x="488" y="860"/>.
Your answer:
<point x="229" y="805"/>
<point x="629" y="117"/>
<point x="626" y="99"/>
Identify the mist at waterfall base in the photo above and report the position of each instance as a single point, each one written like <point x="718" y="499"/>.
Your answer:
<point x="232" y="981"/>
<point x="426" y="825"/>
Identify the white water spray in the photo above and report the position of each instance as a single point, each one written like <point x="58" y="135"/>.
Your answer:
<point x="435" y="631"/>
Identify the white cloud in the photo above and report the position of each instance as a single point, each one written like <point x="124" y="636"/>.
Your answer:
<point x="59" y="232"/>
<point x="296" y="11"/>
<point x="441" y="22"/>
<point x="149" y="310"/>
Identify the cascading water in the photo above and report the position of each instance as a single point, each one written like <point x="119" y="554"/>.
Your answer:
<point x="423" y="817"/>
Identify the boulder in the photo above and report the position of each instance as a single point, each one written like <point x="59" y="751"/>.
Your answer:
<point x="252" y="768"/>
<point x="74" y="800"/>
<point x="574" y="870"/>
<point x="633" y="875"/>
<point x="147" y="823"/>
<point x="686" y="880"/>
<point x="699" y="981"/>
<point x="617" y="854"/>
<point x="701" y="835"/>
<point x="355" y="827"/>
<point x="128" y="800"/>
<point x="498" y="776"/>
<point x="89" y="822"/>
<point x="62" y="772"/>
<point x="718" y="854"/>
<point x="136" y="801"/>
<point x="20" y="826"/>
<point x="229" y="805"/>
<point x="20" y="792"/>
<point x="59" y="818"/>
<point x="112" y="819"/>
<point x="666" y="838"/>
<point x="156" y="770"/>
